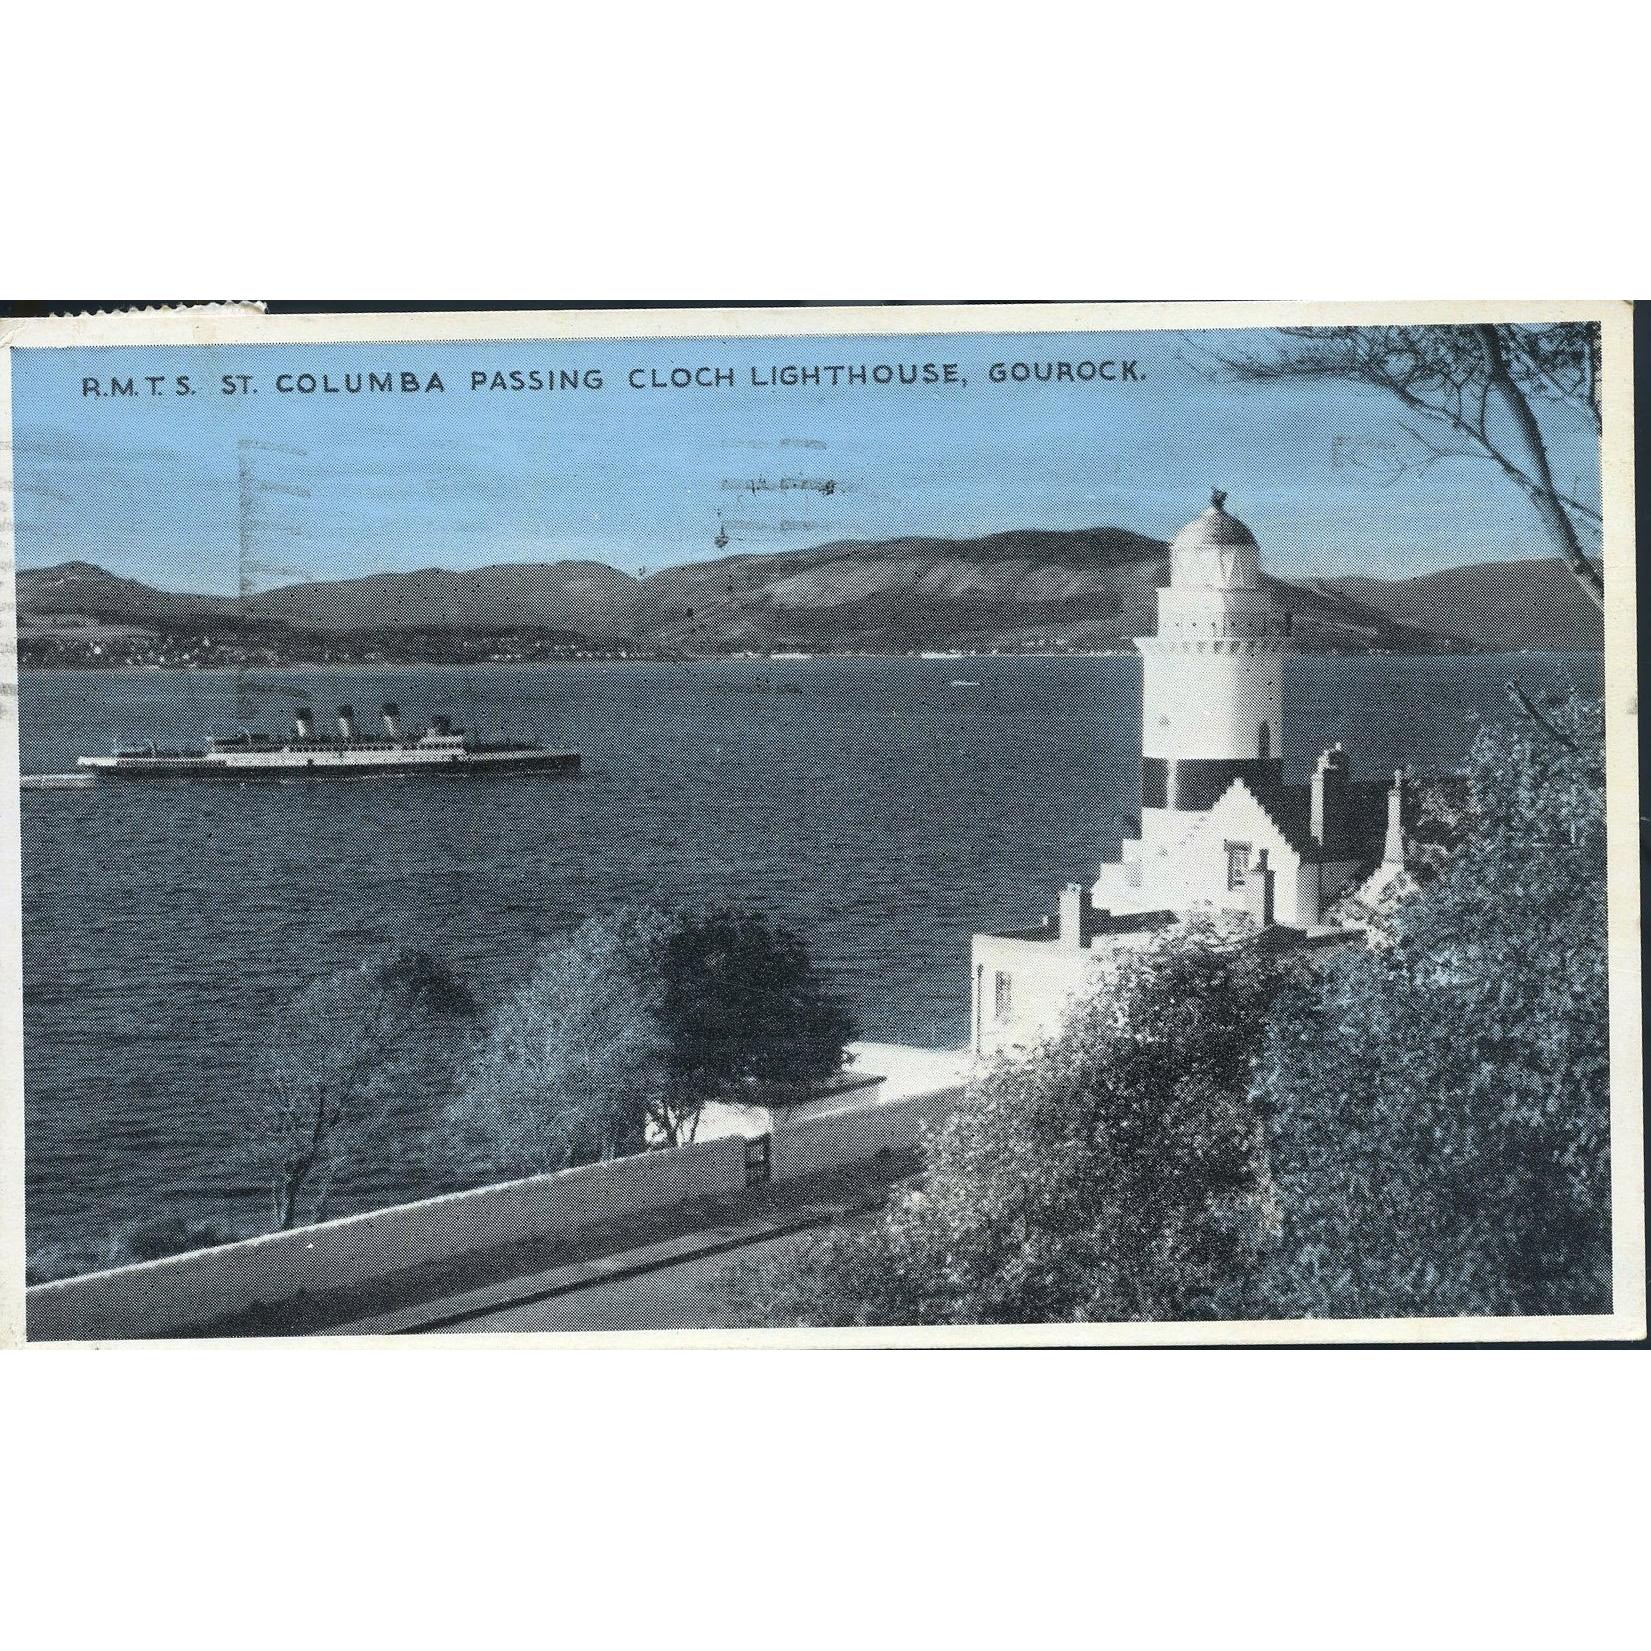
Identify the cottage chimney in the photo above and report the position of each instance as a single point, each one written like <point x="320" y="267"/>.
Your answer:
<point x="1258" y="890"/>
<point x="1393" y="850"/>
<point x="392" y="719"/>
<point x="303" y="723"/>
<point x="1329" y="798"/>
<point x="346" y="723"/>
<point x="1076" y="905"/>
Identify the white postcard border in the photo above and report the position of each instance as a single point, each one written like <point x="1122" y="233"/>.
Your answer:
<point x="239" y="324"/>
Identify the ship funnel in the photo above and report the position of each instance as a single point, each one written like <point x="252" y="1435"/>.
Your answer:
<point x="303" y="723"/>
<point x="392" y="720"/>
<point x="346" y="722"/>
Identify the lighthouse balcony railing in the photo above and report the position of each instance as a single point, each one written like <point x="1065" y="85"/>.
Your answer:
<point x="1234" y="627"/>
<point x="1253" y="627"/>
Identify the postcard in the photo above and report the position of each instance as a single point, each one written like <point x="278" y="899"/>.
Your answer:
<point x="950" y="825"/>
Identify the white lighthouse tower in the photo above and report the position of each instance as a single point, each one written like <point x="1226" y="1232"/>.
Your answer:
<point x="1212" y="677"/>
<point x="1221" y="832"/>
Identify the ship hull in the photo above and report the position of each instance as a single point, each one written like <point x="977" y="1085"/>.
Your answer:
<point x="256" y="770"/>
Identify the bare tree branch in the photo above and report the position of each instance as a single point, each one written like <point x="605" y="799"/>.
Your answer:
<point x="1541" y="489"/>
<point x="1518" y="695"/>
<point x="1455" y="376"/>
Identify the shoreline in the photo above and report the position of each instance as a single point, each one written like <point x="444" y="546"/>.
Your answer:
<point x="384" y="665"/>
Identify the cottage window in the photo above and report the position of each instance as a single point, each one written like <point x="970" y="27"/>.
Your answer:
<point x="1003" y="1003"/>
<point x="1238" y="863"/>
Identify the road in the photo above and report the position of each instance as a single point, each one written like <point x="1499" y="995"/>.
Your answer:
<point x="693" y="1296"/>
<point x="702" y="1294"/>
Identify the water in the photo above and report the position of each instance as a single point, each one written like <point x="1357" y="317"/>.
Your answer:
<point x="879" y="809"/>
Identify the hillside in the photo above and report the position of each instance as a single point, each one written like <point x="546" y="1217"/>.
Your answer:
<point x="578" y="595"/>
<point x="1495" y="605"/>
<point x="556" y="594"/>
<point x="1027" y="589"/>
<point x="1086" y="589"/>
<point x="898" y="594"/>
<point x="79" y="590"/>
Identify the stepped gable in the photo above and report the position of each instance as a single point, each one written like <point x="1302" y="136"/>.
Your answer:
<point x="1364" y="816"/>
<point x="1289" y="807"/>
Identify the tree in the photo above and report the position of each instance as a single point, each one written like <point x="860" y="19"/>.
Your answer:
<point x="742" y="1005"/>
<point x="338" y="1053"/>
<point x="1476" y="387"/>
<point x="1439" y="1108"/>
<point x="1115" y="1173"/>
<point x="572" y="1065"/>
<point x="629" y="1026"/>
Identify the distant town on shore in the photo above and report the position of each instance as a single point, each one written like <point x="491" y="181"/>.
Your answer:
<point x="1023" y="592"/>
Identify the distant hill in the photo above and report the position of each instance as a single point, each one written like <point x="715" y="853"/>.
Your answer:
<point x="577" y="595"/>
<point x="80" y="590"/>
<point x="1089" y="588"/>
<point x="898" y="594"/>
<point x="1491" y="605"/>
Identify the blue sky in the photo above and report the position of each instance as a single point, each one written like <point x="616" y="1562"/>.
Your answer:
<point x="148" y="486"/>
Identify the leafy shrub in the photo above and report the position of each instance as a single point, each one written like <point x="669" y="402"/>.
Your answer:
<point x="1439" y="1108"/>
<point x="151" y="1240"/>
<point x="1115" y="1173"/>
<point x="742" y="1005"/>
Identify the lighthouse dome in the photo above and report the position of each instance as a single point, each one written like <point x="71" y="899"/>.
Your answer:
<point x="1214" y="551"/>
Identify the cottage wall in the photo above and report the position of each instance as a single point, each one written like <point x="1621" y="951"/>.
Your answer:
<point x="1021" y="988"/>
<point x="1319" y="883"/>
<point x="1196" y="867"/>
<point x="185" y="1294"/>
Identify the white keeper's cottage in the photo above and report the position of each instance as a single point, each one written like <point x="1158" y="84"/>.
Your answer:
<point x="1220" y="830"/>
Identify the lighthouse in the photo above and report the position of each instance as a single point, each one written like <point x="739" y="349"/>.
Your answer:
<point x="1212" y="678"/>
<point x="1221" y="833"/>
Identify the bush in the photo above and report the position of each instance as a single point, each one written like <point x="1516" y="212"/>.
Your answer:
<point x="571" y="1065"/>
<point x="1440" y="1107"/>
<point x="151" y="1240"/>
<point x="173" y="1235"/>
<point x="742" y="1005"/>
<point x="1116" y="1173"/>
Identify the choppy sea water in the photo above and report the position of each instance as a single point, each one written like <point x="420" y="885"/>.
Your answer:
<point x="881" y="806"/>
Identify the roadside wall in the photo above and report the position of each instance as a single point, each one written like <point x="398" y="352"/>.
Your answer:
<point x="721" y="1118"/>
<point x="185" y="1294"/>
<point x="182" y="1293"/>
<point x="826" y="1140"/>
